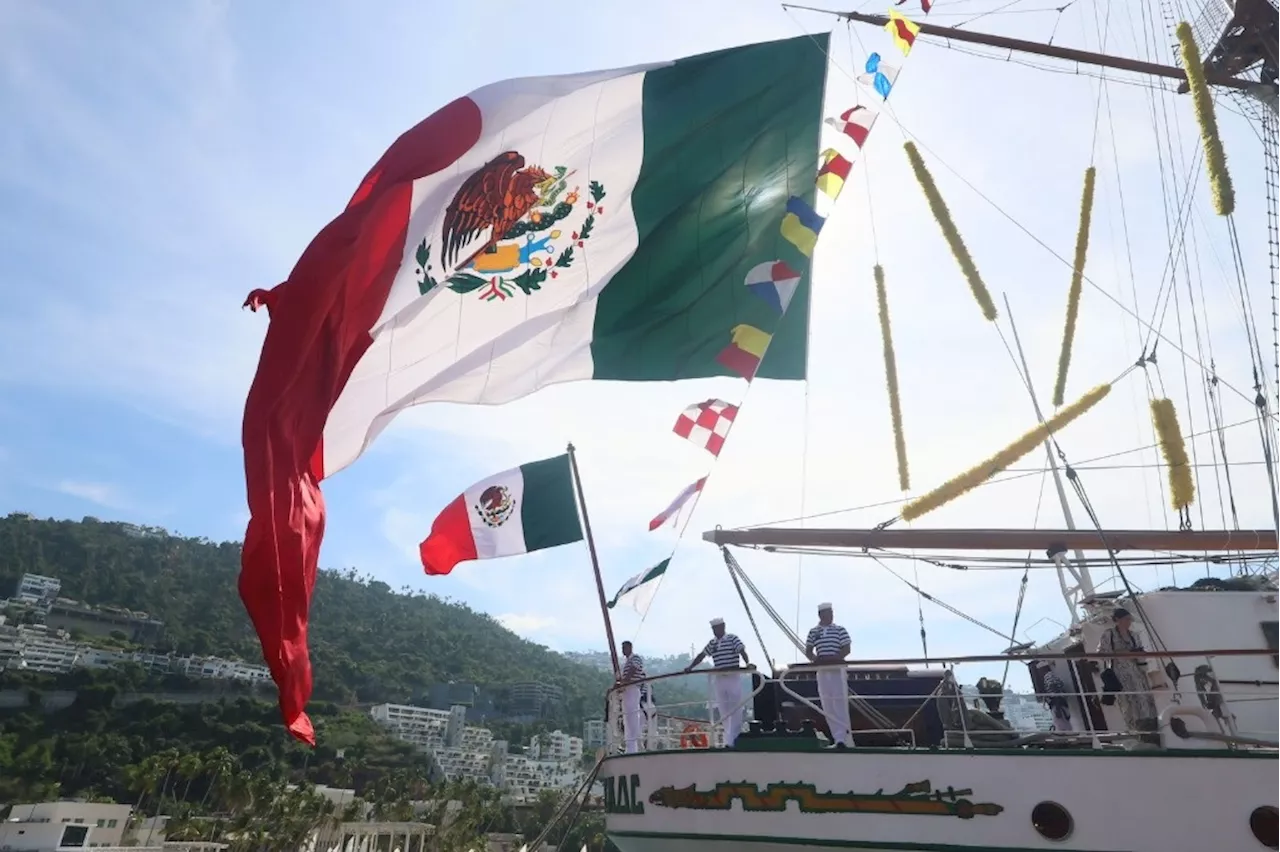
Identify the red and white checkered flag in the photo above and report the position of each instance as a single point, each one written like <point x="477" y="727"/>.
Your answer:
<point x="706" y="424"/>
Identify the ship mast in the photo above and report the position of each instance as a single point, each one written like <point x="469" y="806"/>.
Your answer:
<point x="1243" y="51"/>
<point x="1083" y="588"/>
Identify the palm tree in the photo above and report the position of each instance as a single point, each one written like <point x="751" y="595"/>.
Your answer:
<point x="140" y="778"/>
<point x="190" y="767"/>
<point x="219" y="764"/>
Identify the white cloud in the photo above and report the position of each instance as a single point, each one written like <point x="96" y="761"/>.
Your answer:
<point x="526" y="622"/>
<point x="102" y="493"/>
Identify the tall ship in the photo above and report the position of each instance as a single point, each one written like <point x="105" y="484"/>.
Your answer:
<point x="1162" y="681"/>
<point x="893" y="204"/>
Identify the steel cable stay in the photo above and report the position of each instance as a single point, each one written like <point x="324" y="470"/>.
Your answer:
<point x="998" y="563"/>
<point x="993" y="481"/>
<point x="735" y="569"/>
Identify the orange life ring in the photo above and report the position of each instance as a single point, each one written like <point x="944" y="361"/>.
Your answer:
<point x="694" y="737"/>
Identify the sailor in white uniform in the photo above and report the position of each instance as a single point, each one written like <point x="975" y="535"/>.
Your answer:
<point x="725" y="649"/>
<point x="828" y="642"/>
<point x="632" y="714"/>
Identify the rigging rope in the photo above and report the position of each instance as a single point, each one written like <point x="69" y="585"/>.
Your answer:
<point x="897" y="501"/>
<point x="948" y="607"/>
<point x="1022" y="586"/>
<point x="729" y="564"/>
<point x="792" y="636"/>
<point x="1271" y="168"/>
<point x="1078" y="487"/>
<point x="735" y="569"/>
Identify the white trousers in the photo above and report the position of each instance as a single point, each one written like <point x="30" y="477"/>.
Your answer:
<point x="1062" y="719"/>
<point x="833" y="692"/>
<point x="728" y="690"/>
<point x="632" y="718"/>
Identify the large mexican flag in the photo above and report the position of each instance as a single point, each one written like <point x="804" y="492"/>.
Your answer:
<point x="541" y="230"/>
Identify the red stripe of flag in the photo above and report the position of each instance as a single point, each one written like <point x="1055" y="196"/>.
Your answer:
<point x="904" y="32"/>
<point x="450" y="540"/>
<point x="319" y="329"/>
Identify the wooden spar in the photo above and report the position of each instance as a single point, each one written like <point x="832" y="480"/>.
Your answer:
<point x="1048" y="540"/>
<point x="1121" y="63"/>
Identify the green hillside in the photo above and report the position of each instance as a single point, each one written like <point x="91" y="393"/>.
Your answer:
<point x="368" y="643"/>
<point x="220" y="752"/>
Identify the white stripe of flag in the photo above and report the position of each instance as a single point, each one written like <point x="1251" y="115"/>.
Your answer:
<point x="677" y="504"/>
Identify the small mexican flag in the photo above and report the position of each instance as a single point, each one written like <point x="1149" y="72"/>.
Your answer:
<point x="527" y="508"/>
<point x="640" y="589"/>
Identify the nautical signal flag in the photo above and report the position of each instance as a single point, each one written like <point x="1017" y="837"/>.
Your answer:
<point x="903" y="29"/>
<point x="640" y="590"/>
<point x="801" y="226"/>
<point x="775" y="282"/>
<point x="879" y="76"/>
<point x="855" y="123"/>
<point x="834" y="172"/>
<point x="925" y="5"/>
<point x="677" y="504"/>
<point x="744" y="353"/>
<point x="707" y="424"/>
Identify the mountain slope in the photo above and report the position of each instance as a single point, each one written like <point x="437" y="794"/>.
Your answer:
<point x="368" y="643"/>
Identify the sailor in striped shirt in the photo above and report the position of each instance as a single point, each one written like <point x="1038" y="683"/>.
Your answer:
<point x="828" y="642"/>
<point x="632" y="715"/>
<point x="724" y="650"/>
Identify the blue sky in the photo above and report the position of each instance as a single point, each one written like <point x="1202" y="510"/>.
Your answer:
<point x="159" y="161"/>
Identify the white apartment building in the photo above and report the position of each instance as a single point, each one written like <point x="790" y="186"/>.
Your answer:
<point x="36" y="648"/>
<point x="38" y="591"/>
<point x="462" y="751"/>
<point x="421" y="726"/>
<point x="525" y="777"/>
<point x="458" y="749"/>
<point x="64" y="825"/>
<point x="100" y="658"/>
<point x="1025" y="713"/>
<point x="217" y="668"/>
<point x="556" y="746"/>
<point x="593" y="734"/>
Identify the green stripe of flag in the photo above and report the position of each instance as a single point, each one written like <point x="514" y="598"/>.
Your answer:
<point x="640" y="580"/>
<point x="551" y="518"/>
<point x="728" y="138"/>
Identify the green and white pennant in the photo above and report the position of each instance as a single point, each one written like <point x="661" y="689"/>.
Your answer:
<point x="640" y="589"/>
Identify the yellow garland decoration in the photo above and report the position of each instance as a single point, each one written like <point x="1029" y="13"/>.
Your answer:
<point x="1215" y="159"/>
<point x="1077" y="284"/>
<point x="891" y="379"/>
<point x="1182" y="488"/>
<point x="950" y="232"/>
<point x="975" y="476"/>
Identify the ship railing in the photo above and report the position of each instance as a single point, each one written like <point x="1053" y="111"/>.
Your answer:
<point x="682" y="724"/>
<point x="880" y="724"/>
<point x="1172" y="699"/>
<point x="1210" y="699"/>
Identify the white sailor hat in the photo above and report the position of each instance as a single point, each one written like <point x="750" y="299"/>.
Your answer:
<point x="717" y="622"/>
<point x="824" y="606"/>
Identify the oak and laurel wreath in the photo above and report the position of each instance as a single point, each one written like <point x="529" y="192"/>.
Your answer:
<point x="530" y="279"/>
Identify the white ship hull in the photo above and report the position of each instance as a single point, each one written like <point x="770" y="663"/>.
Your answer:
<point x="770" y="801"/>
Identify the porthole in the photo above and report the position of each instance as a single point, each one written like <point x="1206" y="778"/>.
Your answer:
<point x="1264" y="822"/>
<point x="1052" y="821"/>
